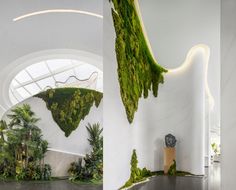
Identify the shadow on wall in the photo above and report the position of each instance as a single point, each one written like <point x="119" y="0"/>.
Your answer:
<point x="60" y="162"/>
<point x="158" y="155"/>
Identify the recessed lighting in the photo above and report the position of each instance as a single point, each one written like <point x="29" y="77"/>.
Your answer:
<point x="56" y="11"/>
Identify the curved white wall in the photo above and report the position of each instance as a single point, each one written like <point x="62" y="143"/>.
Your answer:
<point x="228" y="94"/>
<point x="179" y="109"/>
<point x="77" y="142"/>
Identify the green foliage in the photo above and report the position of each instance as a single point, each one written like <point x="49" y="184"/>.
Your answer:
<point x="3" y="127"/>
<point x="91" y="167"/>
<point x="23" y="117"/>
<point x="214" y="147"/>
<point x="137" y="174"/>
<point x="46" y="172"/>
<point x="172" y="170"/>
<point x="178" y="173"/>
<point x="146" y="172"/>
<point x="70" y="105"/>
<point x="21" y="147"/>
<point x="75" y="169"/>
<point x="34" y="172"/>
<point x="138" y="72"/>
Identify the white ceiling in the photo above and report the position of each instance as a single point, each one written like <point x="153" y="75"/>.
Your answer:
<point x="67" y="31"/>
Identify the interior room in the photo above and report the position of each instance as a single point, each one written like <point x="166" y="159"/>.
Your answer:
<point x="117" y="94"/>
<point x="171" y="138"/>
<point x="51" y="91"/>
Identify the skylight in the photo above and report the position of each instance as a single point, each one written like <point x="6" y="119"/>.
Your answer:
<point x="54" y="73"/>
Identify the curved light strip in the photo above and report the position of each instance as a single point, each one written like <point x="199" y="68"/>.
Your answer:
<point x="65" y="152"/>
<point x="80" y="80"/>
<point x="187" y="60"/>
<point x="57" y="11"/>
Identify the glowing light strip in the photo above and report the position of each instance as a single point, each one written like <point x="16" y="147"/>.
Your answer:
<point x="65" y="152"/>
<point x="187" y="60"/>
<point x="57" y="11"/>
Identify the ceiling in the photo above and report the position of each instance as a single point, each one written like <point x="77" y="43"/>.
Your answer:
<point x="46" y="32"/>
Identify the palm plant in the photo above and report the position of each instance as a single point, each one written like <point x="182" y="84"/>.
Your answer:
<point x="23" y="120"/>
<point x="5" y="157"/>
<point x="92" y="169"/>
<point x="3" y="128"/>
<point x="24" y="149"/>
<point x="95" y="139"/>
<point x="23" y="117"/>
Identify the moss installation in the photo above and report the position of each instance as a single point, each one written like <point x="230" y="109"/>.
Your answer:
<point x="137" y="174"/>
<point x="70" y="105"/>
<point x="138" y="72"/>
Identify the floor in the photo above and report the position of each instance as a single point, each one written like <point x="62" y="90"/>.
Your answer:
<point x="52" y="185"/>
<point x="210" y="182"/>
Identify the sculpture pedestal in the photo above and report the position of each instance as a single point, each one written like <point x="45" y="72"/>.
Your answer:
<point x="169" y="156"/>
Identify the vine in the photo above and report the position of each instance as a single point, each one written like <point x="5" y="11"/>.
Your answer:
<point x="138" y="72"/>
<point x="70" y="105"/>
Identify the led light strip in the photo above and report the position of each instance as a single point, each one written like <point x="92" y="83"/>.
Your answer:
<point x="188" y="58"/>
<point x="65" y="152"/>
<point x="57" y="11"/>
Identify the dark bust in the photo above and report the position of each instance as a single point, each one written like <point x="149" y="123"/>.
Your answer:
<point x="170" y="140"/>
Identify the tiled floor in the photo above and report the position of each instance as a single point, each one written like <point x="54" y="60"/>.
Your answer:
<point x="210" y="182"/>
<point x="52" y="185"/>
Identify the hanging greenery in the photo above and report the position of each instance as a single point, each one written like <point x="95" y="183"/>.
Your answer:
<point x="138" y="72"/>
<point x="70" y="105"/>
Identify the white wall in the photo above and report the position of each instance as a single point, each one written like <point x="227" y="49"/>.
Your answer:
<point x="228" y="94"/>
<point x="180" y="25"/>
<point x="77" y="142"/>
<point x="179" y="108"/>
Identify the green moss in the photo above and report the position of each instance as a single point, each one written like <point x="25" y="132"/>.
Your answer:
<point x="178" y="173"/>
<point x="138" y="72"/>
<point x="90" y="182"/>
<point x="172" y="170"/>
<point x="137" y="174"/>
<point x="70" y="105"/>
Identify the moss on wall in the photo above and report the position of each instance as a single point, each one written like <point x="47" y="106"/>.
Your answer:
<point x="138" y="72"/>
<point x="70" y="105"/>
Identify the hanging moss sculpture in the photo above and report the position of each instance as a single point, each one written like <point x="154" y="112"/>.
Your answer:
<point x="70" y="105"/>
<point x="138" y="72"/>
<point x="137" y="174"/>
